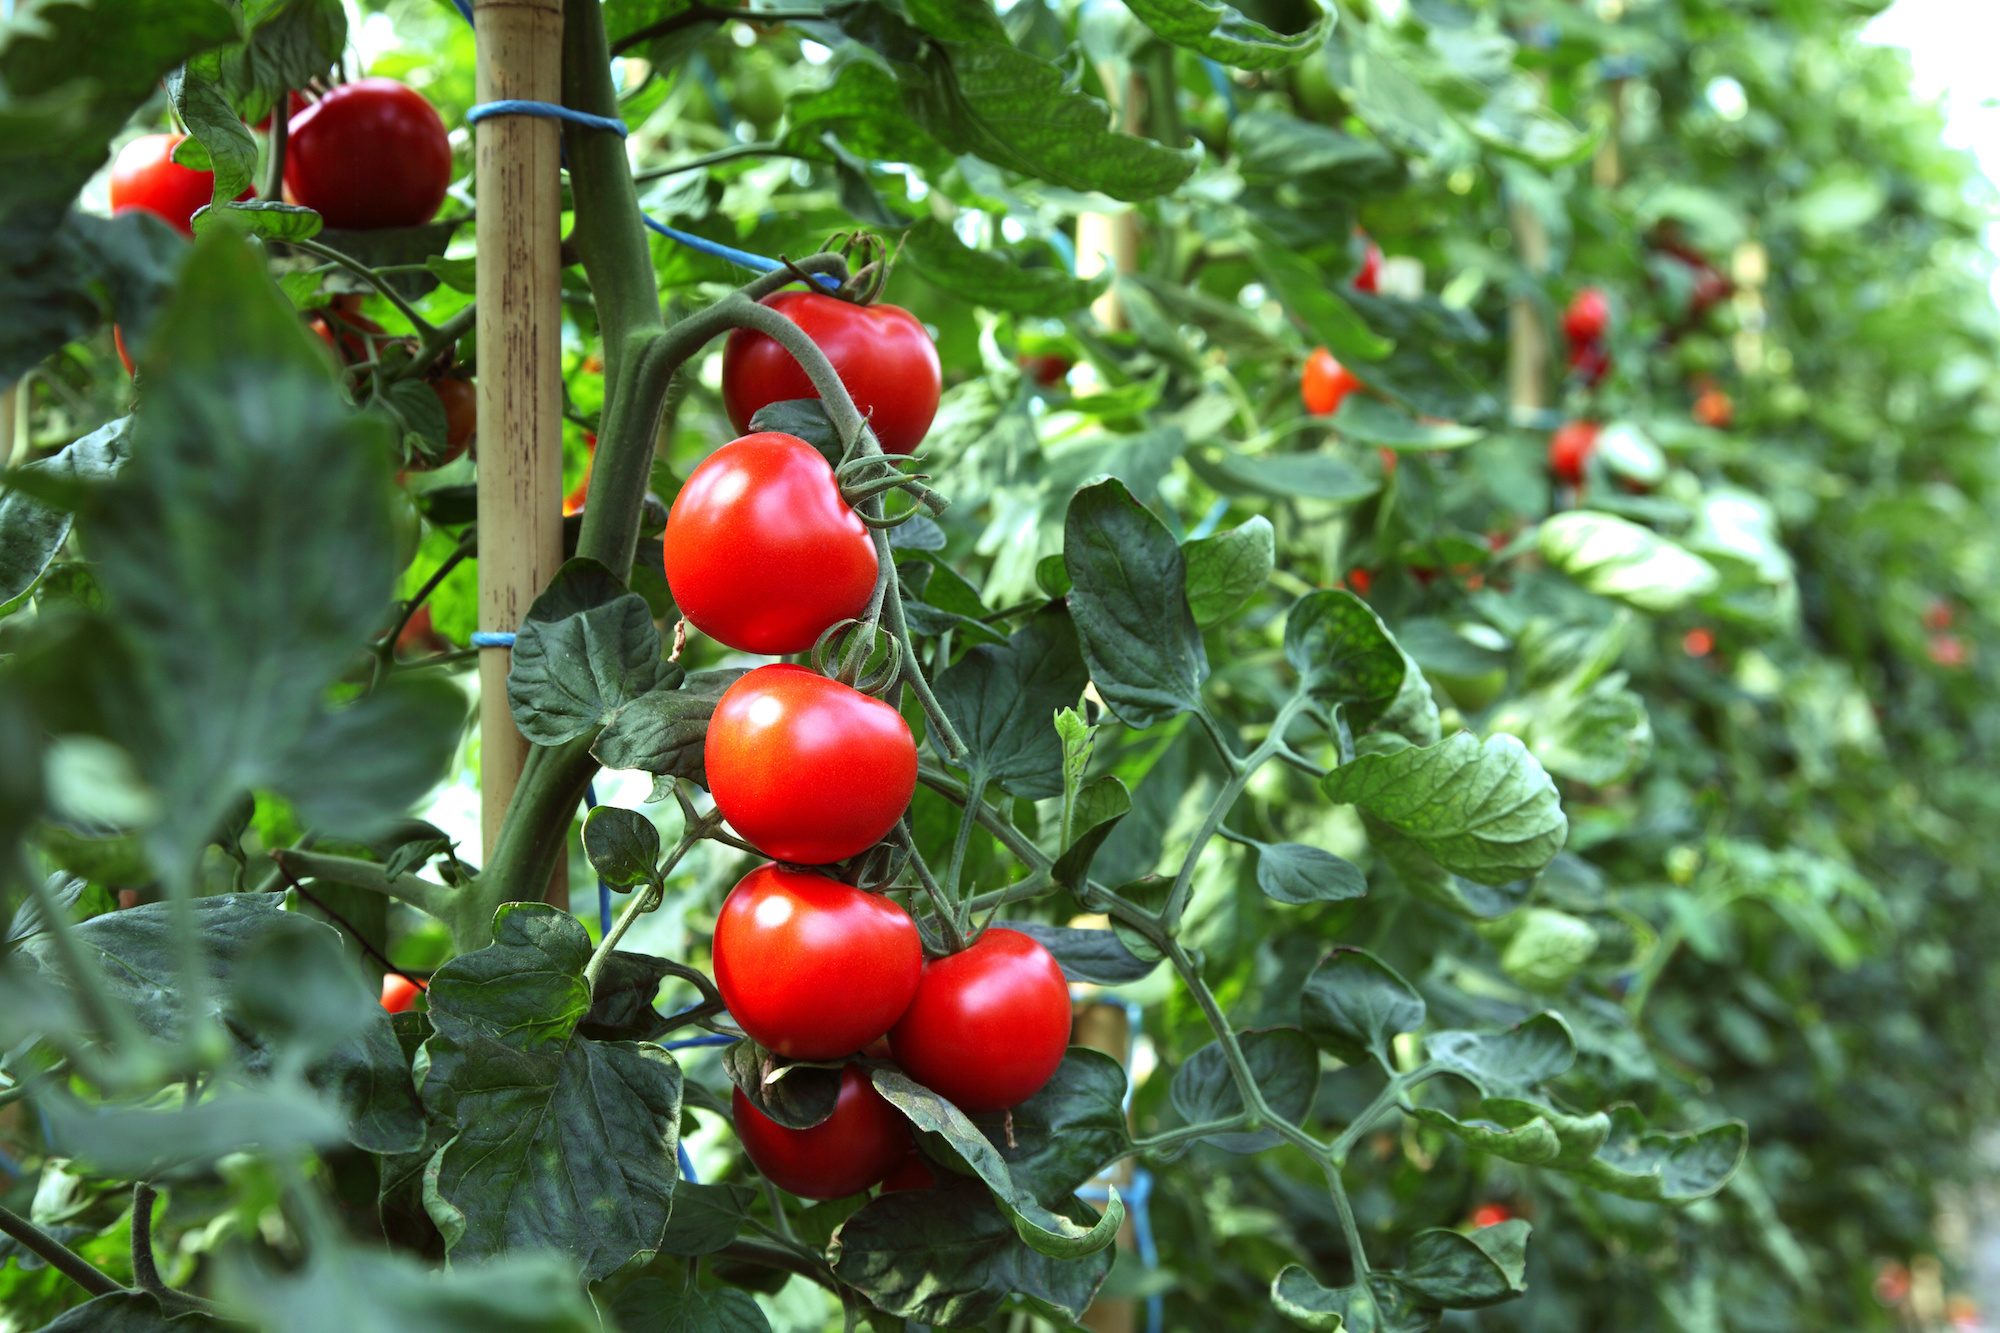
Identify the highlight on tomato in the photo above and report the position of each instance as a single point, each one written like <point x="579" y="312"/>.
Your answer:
<point x="882" y="353"/>
<point x="399" y="992"/>
<point x="1491" y="1215"/>
<point x="1324" y="383"/>
<point x="811" y="968"/>
<point x="854" y="1148"/>
<point x="989" y="1024"/>
<point x="806" y="769"/>
<point x="762" y="553"/>
<point x="370" y="154"/>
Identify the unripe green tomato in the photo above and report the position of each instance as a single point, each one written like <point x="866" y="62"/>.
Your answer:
<point x="406" y="529"/>
<point x="1474" y="692"/>
<point x="1312" y="84"/>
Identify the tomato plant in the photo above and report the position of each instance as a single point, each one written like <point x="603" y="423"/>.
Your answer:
<point x="1500" y="849"/>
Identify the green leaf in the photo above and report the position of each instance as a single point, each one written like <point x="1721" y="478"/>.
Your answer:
<point x="1325" y="307"/>
<point x="1670" y="1168"/>
<point x="124" y="1312"/>
<point x="1003" y="700"/>
<point x="562" y="1142"/>
<point x="359" y="768"/>
<point x="621" y="1003"/>
<point x="948" y="1257"/>
<point x="1299" y="1297"/>
<point x="1616" y="558"/>
<point x="290" y="42"/>
<point x="1225" y="34"/>
<point x="1343" y="654"/>
<point x="407" y="250"/>
<point x="1100" y="807"/>
<point x="1064" y="1134"/>
<point x="1274" y="149"/>
<point x="32" y="529"/>
<point x="344" y="1288"/>
<point x="706" y="1217"/>
<point x="1355" y="1004"/>
<point x="1462" y="1271"/>
<point x="1515" y="1061"/>
<point x="660" y="1305"/>
<point x="1481" y="809"/>
<point x="230" y="671"/>
<point x="1094" y="957"/>
<point x="797" y="1096"/>
<point x="1284" y="1065"/>
<point x="1531" y="1140"/>
<point x="623" y="846"/>
<point x="225" y="141"/>
<point x="1052" y="1233"/>
<point x="1007" y="279"/>
<point x="663" y="731"/>
<point x="1292" y="872"/>
<point x="1131" y="608"/>
<point x="1599" y="737"/>
<point x="974" y="92"/>
<point x="1548" y="948"/>
<point x="1226" y="571"/>
<point x="1314" y="476"/>
<point x="1366" y="420"/>
<point x="586" y="648"/>
<point x="143" y="1142"/>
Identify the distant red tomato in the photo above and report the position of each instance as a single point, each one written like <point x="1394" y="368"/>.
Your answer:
<point x="1048" y="369"/>
<point x="1939" y="615"/>
<point x="146" y="177"/>
<point x="399" y="992"/>
<point x="1590" y="363"/>
<point x="1570" y="449"/>
<point x="1491" y="1215"/>
<point x="1714" y="409"/>
<point x="989" y="1025"/>
<point x="1892" y="1283"/>
<point x="357" y="332"/>
<point x="860" y="1143"/>
<point x="1360" y="581"/>
<point x="806" y="769"/>
<point x="419" y="635"/>
<point x="762" y="553"/>
<point x="882" y="353"/>
<point x="811" y="968"/>
<point x="1698" y="642"/>
<point x="1369" y="277"/>
<point x="1324" y="383"/>
<point x="1588" y="317"/>
<point x="370" y="154"/>
<point x="1949" y="651"/>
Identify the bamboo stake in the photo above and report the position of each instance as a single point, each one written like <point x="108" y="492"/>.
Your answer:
<point x="520" y="349"/>
<point x="1110" y="241"/>
<point x="1105" y="1027"/>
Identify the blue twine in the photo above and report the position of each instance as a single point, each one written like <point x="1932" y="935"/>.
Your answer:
<point x="687" y="1164"/>
<point x="701" y="244"/>
<point x="1218" y="79"/>
<point x="1209" y="521"/>
<point x="686" y="1043"/>
<point x="492" y="638"/>
<point x="518" y="106"/>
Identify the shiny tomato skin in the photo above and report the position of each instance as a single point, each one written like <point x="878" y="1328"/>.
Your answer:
<point x="370" y="154"/>
<point x="1570" y="449"/>
<point x="1491" y="1215"/>
<point x="881" y="353"/>
<point x="989" y="1025"/>
<point x="806" y="769"/>
<point x="1324" y="384"/>
<point x="862" y="1141"/>
<point x="1588" y="316"/>
<point x="762" y="553"/>
<point x="912" y="1173"/>
<point x="811" y="968"/>
<point x="145" y="177"/>
<point x="399" y="992"/>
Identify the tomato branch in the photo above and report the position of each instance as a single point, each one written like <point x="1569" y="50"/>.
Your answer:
<point x="58" y="1255"/>
<point x="368" y="275"/>
<point x="437" y="900"/>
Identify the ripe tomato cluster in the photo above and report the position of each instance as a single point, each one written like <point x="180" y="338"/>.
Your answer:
<point x="765" y="555"/>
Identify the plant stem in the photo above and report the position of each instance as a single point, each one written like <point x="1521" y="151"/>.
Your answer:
<point x="274" y="175"/>
<point x="716" y="158"/>
<point x="941" y="898"/>
<point x="145" y="1269"/>
<point x="444" y="336"/>
<point x="975" y="797"/>
<point x="438" y="900"/>
<point x="1173" y="1138"/>
<point x="57" y="1255"/>
<point x="1244" y="770"/>
<point x="370" y="276"/>
<point x="710" y="14"/>
<point x="645" y="902"/>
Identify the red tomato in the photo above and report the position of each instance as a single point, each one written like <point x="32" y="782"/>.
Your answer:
<point x="1369" y="278"/>
<point x="460" y="400"/>
<point x="399" y="992"/>
<point x="881" y="353"/>
<point x="357" y="331"/>
<point x="1948" y="651"/>
<point x="807" y="769"/>
<point x="1360" y="580"/>
<point x="419" y="636"/>
<point x="124" y="357"/>
<point x="1588" y="317"/>
<point x="762" y="553"/>
<point x="1570" y="449"/>
<point x="1325" y="383"/>
<point x="811" y="968"/>
<point x="1892" y="1283"/>
<point x="912" y="1173"/>
<point x="989" y="1025"/>
<point x="146" y="177"/>
<point x="1590" y="363"/>
<point x="1048" y="369"/>
<point x="369" y="154"/>
<point x="861" y="1142"/>
<point x="1939" y="615"/>
<point x="1491" y="1215"/>
<point x="1714" y="409"/>
<point x="1698" y="642"/>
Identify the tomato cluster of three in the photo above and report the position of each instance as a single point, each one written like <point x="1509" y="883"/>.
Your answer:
<point x="764" y="554"/>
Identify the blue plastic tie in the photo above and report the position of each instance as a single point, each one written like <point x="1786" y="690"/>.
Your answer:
<point x="1218" y="79"/>
<point x="493" y="638"/>
<point x="516" y="106"/>
<point x="741" y="258"/>
<point x="687" y="1165"/>
<point x="687" y="1043"/>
